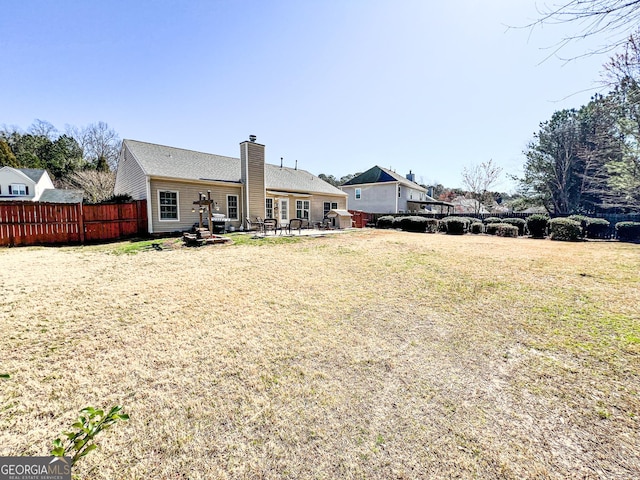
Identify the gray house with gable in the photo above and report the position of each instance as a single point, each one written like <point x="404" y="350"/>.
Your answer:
<point x="380" y="190"/>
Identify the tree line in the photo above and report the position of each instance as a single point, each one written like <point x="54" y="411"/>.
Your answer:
<point x="81" y="158"/>
<point x="587" y="160"/>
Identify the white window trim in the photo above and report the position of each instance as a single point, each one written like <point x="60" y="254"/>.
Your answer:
<point x="237" y="217"/>
<point x="358" y="194"/>
<point x="308" y="210"/>
<point x="21" y="186"/>
<point x="160" y="219"/>
<point x="266" y="208"/>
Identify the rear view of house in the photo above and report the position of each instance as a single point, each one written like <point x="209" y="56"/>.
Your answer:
<point x="171" y="179"/>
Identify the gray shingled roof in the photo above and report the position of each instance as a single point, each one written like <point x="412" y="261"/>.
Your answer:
<point x="378" y="174"/>
<point x="294" y="180"/>
<point x="161" y="161"/>
<point x="34" y="174"/>
<point x="171" y="162"/>
<point x="56" y="195"/>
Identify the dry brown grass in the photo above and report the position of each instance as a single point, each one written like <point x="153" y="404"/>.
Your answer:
<point x="374" y="354"/>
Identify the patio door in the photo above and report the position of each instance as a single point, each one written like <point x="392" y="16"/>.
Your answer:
<point x="283" y="211"/>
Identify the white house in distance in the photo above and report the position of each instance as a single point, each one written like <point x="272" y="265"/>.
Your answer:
<point x="379" y="190"/>
<point x="242" y="189"/>
<point x="33" y="185"/>
<point x="23" y="183"/>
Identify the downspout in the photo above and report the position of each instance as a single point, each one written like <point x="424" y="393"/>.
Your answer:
<point x="149" y="206"/>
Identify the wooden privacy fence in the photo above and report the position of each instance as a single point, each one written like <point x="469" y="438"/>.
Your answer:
<point x="34" y="223"/>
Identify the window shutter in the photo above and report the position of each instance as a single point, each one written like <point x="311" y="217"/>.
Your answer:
<point x="10" y="192"/>
<point x="26" y="188"/>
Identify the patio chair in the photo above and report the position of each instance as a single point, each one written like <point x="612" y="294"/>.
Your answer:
<point x="256" y="225"/>
<point x="295" y="224"/>
<point x="270" y="225"/>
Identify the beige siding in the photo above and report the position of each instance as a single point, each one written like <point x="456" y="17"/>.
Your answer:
<point x="130" y="179"/>
<point x="253" y="155"/>
<point x="317" y="205"/>
<point x="187" y="194"/>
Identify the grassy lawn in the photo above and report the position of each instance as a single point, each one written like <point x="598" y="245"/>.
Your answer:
<point x="368" y="355"/>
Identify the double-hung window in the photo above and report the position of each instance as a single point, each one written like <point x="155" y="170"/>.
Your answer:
<point x="327" y="207"/>
<point x="302" y="209"/>
<point x="232" y="207"/>
<point x="18" y="189"/>
<point x="168" y="205"/>
<point x="358" y="193"/>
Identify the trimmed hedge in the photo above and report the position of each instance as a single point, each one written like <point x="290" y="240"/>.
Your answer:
<point x="492" y="220"/>
<point x="564" y="229"/>
<point x="506" y="230"/>
<point x="432" y="225"/>
<point x="476" y="227"/>
<point x="385" y="222"/>
<point x="537" y="225"/>
<point x="591" y="227"/>
<point x="597" y="228"/>
<point x="502" y="229"/>
<point x="628" y="231"/>
<point x="417" y="224"/>
<point x="455" y="225"/>
<point x="516" y="222"/>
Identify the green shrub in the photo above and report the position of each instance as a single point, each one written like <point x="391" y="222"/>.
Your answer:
<point x="591" y="227"/>
<point x="455" y="225"/>
<point x="492" y="220"/>
<point x="564" y="229"/>
<point x="417" y="224"/>
<point x="469" y="220"/>
<point x="477" y="227"/>
<point x="396" y="222"/>
<point x="628" y="231"/>
<point x="597" y="228"/>
<point x="516" y="222"/>
<point x="501" y="229"/>
<point x="537" y="225"/>
<point x="506" y="230"/>
<point x="385" y="222"/>
<point x="432" y="225"/>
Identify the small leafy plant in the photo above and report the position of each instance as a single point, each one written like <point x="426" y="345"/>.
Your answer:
<point x="89" y="424"/>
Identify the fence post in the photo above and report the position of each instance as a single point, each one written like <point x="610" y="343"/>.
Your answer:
<point x="80" y="215"/>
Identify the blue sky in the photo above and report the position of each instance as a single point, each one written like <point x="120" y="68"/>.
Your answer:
<point x="338" y="85"/>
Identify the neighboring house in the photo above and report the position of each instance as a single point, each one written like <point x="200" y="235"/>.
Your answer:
<point x="27" y="184"/>
<point x="171" y="180"/>
<point x="379" y="190"/>
<point x="33" y="185"/>
<point x="468" y="205"/>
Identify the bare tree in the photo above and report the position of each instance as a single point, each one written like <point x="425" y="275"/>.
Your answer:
<point x="44" y="129"/>
<point x="479" y="179"/>
<point x="100" y="144"/>
<point x="612" y="19"/>
<point x="97" y="185"/>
